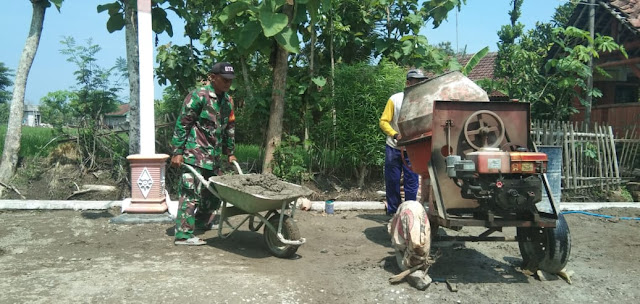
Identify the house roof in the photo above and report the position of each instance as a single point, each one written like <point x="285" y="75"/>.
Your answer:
<point x="607" y="14"/>
<point x="630" y="10"/>
<point x="484" y="68"/>
<point x="31" y="108"/>
<point x="122" y="110"/>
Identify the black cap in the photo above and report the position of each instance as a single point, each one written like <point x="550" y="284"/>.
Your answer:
<point x="224" y="69"/>
<point x="415" y="74"/>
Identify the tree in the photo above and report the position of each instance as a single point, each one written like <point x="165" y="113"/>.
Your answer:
<point x="124" y="14"/>
<point x="55" y="109"/>
<point x="571" y="67"/>
<point x="5" y="82"/>
<point x="14" y="131"/>
<point x="268" y="31"/>
<point x="96" y="94"/>
<point x="269" y="25"/>
<point x="5" y="95"/>
<point x="550" y="85"/>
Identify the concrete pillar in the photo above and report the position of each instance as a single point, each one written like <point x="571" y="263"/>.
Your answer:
<point x="147" y="168"/>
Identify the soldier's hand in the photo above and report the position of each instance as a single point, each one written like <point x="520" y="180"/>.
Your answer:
<point x="176" y="161"/>
<point x="232" y="158"/>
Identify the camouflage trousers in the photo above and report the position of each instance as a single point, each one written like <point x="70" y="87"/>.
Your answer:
<point x="196" y="203"/>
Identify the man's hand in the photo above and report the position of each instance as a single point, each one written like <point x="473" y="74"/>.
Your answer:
<point x="397" y="136"/>
<point x="232" y="158"/>
<point x="176" y="161"/>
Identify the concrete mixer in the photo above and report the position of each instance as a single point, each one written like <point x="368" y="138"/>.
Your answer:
<point x="484" y="169"/>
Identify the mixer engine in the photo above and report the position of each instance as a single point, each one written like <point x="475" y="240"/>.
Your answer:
<point x="501" y="181"/>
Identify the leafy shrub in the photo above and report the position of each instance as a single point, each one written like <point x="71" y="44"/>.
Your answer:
<point x="361" y="93"/>
<point x="290" y="160"/>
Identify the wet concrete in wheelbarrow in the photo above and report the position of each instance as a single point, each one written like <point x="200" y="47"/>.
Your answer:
<point x="266" y="185"/>
<point x="79" y="257"/>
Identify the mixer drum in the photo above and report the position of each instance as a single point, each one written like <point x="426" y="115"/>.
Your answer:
<point x="416" y="113"/>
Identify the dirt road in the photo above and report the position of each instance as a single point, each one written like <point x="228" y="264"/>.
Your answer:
<point x="79" y="257"/>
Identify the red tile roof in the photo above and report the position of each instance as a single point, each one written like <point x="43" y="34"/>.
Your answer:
<point x="484" y="68"/>
<point x="631" y="10"/>
<point x="122" y="110"/>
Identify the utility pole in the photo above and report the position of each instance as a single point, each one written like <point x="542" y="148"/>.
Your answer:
<point x="587" y="110"/>
<point x="457" y="48"/>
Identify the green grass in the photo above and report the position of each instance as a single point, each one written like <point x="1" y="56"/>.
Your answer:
<point x="32" y="141"/>
<point x="250" y="155"/>
<point x="248" y="152"/>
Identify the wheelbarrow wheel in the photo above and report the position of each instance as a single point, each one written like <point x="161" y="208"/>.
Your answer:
<point x="289" y="231"/>
<point x="545" y="249"/>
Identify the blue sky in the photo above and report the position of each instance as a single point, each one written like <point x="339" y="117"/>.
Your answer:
<point x="478" y="23"/>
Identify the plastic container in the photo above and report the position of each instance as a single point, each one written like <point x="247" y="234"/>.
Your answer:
<point x="554" y="176"/>
<point x="328" y="207"/>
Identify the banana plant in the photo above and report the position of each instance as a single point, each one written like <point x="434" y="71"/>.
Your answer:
<point x="474" y="60"/>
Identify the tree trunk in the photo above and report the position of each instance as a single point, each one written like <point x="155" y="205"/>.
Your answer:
<point x="274" y="130"/>
<point x="133" y="66"/>
<point x="587" y="107"/>
<point x="14" y="127"/>
<point x="245" y="77"/>
<point x="334" y="117"/>
<point x="312" y="54"/>
<point x="361" y="175"/>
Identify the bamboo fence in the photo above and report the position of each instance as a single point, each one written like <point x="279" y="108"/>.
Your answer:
<point x="590" y="159"/>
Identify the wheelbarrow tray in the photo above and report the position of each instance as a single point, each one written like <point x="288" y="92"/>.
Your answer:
<point x="253" y="199"/>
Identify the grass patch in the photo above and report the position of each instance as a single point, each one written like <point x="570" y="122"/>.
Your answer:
<point x="32" y="141"/>
<point x="249" y="155"/>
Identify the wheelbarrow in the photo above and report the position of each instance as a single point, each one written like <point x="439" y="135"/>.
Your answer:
<point x="281" y="234"/>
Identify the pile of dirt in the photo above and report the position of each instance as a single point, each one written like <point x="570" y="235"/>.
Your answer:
<point x="48" y="179"/>
<point x="37" y="179"/>
<point x="327" y="187"/>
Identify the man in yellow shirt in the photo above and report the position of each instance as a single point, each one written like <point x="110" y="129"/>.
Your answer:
<point x="393" y="165"/>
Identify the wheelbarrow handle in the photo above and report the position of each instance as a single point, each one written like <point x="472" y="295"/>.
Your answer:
<point x="237" y="166"/>
<point x="197" y="174"/>
<point x="203" y="180"/>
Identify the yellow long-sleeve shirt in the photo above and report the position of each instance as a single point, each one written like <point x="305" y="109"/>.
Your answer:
<point x="389" y="119"/>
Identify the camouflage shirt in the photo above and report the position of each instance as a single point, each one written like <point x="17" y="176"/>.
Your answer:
<point x="205" y="129"/>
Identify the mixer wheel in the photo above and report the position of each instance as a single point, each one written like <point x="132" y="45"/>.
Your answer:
<point x="546" y="249"/>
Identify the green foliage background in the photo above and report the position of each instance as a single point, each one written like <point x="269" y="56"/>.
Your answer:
<point x="361" y="95"/>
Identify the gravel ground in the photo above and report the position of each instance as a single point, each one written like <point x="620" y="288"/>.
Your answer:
<point x="79" y="257"/>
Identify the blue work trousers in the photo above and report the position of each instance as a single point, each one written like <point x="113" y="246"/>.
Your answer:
<point x="393" y="170"/>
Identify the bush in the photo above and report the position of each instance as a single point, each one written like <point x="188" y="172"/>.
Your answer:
<point x="361" y="93"/>
<point x="290" y="160"/>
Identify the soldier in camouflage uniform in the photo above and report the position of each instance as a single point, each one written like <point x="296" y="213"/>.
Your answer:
<point x="204" y="132"/>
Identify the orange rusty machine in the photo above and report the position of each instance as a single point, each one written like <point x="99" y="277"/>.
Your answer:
<point x="483" y="167"/>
